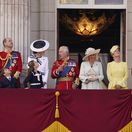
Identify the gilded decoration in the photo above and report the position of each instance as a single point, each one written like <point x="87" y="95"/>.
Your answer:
<point x="87" y="22"/>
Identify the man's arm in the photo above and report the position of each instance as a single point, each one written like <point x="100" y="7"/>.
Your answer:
<point x="19" y="67"/>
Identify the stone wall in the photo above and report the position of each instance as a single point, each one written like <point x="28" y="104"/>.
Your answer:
<point x="43" y="27"/>
<point x="129" y="42"/>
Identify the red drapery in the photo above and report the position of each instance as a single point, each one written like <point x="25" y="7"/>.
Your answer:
<point x="33" y="110"/>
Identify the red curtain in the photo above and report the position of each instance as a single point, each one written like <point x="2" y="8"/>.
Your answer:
<point x="33" y="110"/>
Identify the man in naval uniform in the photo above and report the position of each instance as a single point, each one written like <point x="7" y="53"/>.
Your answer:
<point x="11" y="59"/>
<point x="39" y="47"/>
<point x="65" y="70"/>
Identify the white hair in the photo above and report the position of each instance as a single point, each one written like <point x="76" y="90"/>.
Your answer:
<point x="65" y="48"/>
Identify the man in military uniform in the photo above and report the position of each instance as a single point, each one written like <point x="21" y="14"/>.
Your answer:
<point x="65" y="70"/>
<point x="10" y="59"/>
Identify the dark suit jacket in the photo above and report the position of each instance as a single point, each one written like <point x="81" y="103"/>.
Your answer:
<point x="5" y="83"/>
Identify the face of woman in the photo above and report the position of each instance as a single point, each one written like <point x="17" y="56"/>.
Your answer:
<point x="116" y="53"/>
<point x="39" y="54"/>
<point x="92" y="58"/>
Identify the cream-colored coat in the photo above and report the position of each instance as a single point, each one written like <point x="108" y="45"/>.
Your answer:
<point x="97" y="68"/>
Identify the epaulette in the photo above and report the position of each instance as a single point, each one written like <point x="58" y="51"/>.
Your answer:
<point x="15" y="54"/>
<point x="3" y="59"/>
<point x="57" y="63"/>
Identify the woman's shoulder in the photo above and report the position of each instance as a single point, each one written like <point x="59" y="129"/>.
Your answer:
<point x="110" y="63"/>
<point x="30" y="58"/>
<point x="98" y="63"/>
<point x="44" y="58"/>
<point x="84" y="63"/>
<point x="124" y="63"/>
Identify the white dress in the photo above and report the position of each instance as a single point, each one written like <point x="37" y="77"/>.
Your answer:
<point x="43" y="67"/>
<point x="84" y="71"/>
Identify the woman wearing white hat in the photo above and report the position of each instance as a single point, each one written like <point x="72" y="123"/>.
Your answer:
<point x="117" y="71"/>
<point x="91" y="73"/>
<point x="39" y="47"/>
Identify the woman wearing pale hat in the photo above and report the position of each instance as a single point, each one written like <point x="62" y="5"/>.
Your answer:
<point x="39" y="47"/>
<point x="117" y="71"/>
<point x="91" y="73"/>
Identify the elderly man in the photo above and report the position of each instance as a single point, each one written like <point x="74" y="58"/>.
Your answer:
<point x="10" y="59"/>
<point x="65" y="70"/>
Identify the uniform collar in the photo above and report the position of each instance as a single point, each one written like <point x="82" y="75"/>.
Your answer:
<point x="67" y="58"/>
<point x="8" y="51"/>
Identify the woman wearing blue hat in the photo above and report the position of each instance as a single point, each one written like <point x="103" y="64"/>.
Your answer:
<point x="117" y="71"/>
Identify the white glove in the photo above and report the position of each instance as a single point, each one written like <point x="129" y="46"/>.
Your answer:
<point x="27" y="88"/>
<point x="93" y="78"/>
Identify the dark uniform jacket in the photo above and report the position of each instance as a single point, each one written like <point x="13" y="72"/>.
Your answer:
<point x="12" y="61"/>
<point x="34" y="79"/>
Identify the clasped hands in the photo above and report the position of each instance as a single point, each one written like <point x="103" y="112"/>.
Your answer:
<point x="118" y="87"/>
<point x="91" y="77"/>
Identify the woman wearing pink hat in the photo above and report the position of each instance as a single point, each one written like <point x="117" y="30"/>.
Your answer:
<point x="117" y="71"/>
<point x="91" y="73"/>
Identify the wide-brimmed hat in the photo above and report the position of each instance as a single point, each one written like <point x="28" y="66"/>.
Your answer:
<point x="90" y="51"/>
<point x="114" y="48"/>
<point x="39" y="45"/>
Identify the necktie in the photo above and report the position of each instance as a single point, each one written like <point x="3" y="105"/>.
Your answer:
<point x="9" y="78"/>
<point x="39" y="61"/>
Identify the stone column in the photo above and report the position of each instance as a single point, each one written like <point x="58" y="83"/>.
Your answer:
<point x="48" y="32"/>
<point x="15" y="23"/>
<point x="129" y="42"/>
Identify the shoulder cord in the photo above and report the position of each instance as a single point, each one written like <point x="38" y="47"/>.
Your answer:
<point x="6" y="58"/>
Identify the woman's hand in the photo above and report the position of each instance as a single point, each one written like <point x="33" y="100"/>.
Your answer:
<point x="44" y="83"/>
<point x="92" y="78"/>
<point x="118" y="87"/>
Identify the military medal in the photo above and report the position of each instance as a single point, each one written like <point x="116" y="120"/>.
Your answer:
<point x="72" y="69"/>
<point x="12" y="64"/>
<point x="70" y="73"/>
<point x="14" y="61"/>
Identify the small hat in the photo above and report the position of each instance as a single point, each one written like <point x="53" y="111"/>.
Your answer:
<point x="114" y="48"/>
<point x="90" y="51"/>
<point x="39" y="45"/>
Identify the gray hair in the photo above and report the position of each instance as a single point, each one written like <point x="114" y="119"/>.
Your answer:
<point x="65" y="48"/>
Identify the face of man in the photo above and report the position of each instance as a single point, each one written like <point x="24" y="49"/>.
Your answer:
<point x="62" y="53"/>
<point x="8" y="43"/>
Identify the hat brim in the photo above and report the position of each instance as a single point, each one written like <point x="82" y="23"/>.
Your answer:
<point x="92" y="53"/>
<point x="39" y="49"/>
<point x="113" y="49"/>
